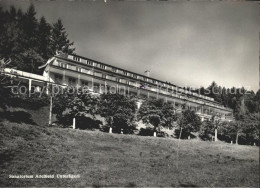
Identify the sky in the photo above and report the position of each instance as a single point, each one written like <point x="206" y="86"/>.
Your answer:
<point x="186" y="43"/>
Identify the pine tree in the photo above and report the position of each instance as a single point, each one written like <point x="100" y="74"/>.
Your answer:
<point x="44" y="39"/>
<point x="30" y="57"/>
<point x="59" y="39"/>
<point x="30" y="27"/>
<point x="12" y="14"/>
<point x="215" y="91"/>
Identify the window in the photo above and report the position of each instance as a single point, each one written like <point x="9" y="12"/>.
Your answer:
<point x="134" y="76"/>
<point x="154" y="81"/>
<point x="113" y="78"/>
<point x="104" y="76"/>
<point x="89" y="63"/>
<point x="78" y="69"/>
<point x="76" y="58"/>
<point x="114" y="69"/>
<point x="84" y="83"/>
<point x="102" y="66"/>
<point x="63" y="65"/>
<point x="118" y="79"/>
<point x="72" y="81"/>
<point x="125" y="73"/>
<point x="58" y="78"/>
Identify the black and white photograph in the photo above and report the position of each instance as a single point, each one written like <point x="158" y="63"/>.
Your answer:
<point x="129" y="93"/>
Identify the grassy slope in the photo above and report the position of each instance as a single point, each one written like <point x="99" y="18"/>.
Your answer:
<point x="104" y="159"/>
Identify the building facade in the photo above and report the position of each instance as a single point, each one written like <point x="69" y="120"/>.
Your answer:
<point x="73" y="70"/>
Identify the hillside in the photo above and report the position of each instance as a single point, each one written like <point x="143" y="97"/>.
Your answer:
<point x="103" y="159"/>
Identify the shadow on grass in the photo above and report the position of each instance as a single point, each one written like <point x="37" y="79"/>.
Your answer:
<point x="187" y="185"/>
<point x="18" y="117"/>
<point x="6" y="156"/>
<point x="88" y="123"/>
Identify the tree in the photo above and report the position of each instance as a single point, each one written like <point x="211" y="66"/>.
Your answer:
<point x="10" y="34"/>
<point x="5" y="92"/>
<point x="70" y="103"/>
<point x="215" y="91"/>
<point x="30" y="24"/>
<point x="169" y="115"/>
<point x="188" y="122"/>
<point x="207" y="130"/>
<point x="257" y="101"/>
<point x="19" y="40"/>
<point x="244" y="132"/>
<point x="27" y="41"/>
<point x="231" y="130"/>
<point x="44" y="39"/>
<point x="251" y="128"/>
<point x="119" y="112"/>
<point x="157" y="113"/>
<point x="59" y="39"/>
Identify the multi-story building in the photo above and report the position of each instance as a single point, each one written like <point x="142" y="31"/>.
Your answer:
<point x="74" y="70"/>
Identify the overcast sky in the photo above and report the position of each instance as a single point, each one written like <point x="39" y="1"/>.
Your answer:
<point x="185" y="43"/>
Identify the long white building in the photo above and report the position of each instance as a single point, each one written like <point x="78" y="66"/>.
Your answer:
<point x="74" y="70"/>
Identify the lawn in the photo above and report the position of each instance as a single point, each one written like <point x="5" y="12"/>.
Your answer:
<point x="103" y="159"/>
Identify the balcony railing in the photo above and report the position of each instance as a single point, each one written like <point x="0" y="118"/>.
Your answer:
<point x="135" y="84"/>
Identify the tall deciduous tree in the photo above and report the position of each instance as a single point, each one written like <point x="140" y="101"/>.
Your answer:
<point x="157" y="113"/>
<point x="70" y="103"/>
<point x="207" y="130"/>
<point x="188" y="122"/>
<point x="119" y="111"/>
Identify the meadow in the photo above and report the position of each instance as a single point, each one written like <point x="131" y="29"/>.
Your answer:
<point x="103" y="159"/>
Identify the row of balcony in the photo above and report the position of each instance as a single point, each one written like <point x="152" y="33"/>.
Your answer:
<point x="137" y="76"/>
<point x="139" y="85"/>
<point x="162" y="90"/>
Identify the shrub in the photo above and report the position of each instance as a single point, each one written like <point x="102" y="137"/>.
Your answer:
<point x="146" y="131"/>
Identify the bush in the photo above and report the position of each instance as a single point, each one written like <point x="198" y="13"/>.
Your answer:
<point x="83" y="122"/>
<point x="18" y="117"/>
<point x="146" y="131"/>
<point x="33" y="102"/>
<point x="162" y="134"/>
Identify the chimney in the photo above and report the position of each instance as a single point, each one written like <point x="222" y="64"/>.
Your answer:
<point x="147" y="73"/>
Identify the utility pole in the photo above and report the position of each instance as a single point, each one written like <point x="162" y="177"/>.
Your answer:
<point x="50" y="93"/>
<point x="50" y="115"/>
